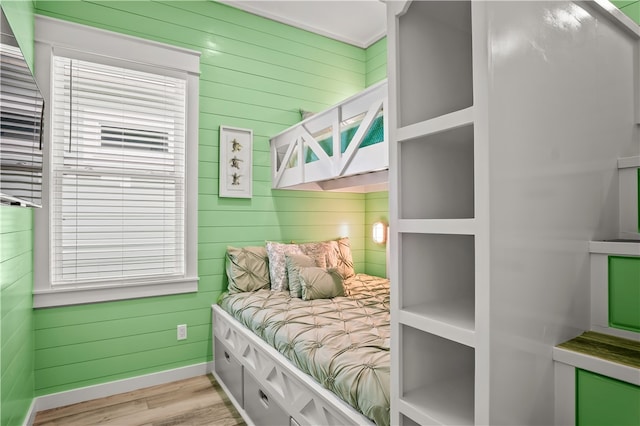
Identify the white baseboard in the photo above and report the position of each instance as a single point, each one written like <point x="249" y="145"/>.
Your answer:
<point x="31" y="414"/>
<point x="102" y="390"/>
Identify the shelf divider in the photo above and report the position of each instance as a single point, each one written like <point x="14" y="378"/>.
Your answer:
<point x="450" y="319"/>
<point x="439" y="124"/>
<point x="438" y="226"/>
<point x="446" y="403"/>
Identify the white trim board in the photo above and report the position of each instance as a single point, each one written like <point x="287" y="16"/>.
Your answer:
<point x="73" y="396"/>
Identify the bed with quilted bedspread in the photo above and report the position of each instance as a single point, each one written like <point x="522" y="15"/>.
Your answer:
<point x="342" y="342"/>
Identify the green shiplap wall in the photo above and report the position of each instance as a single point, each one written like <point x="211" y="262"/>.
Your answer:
<point x="16" y="322"/>
<point x="376" y="65"/>
<point x="631" y="8"/>
<point x="377" y="209"/>
<point x="376" y="203"/>
<point x="16" y="271"/>
<point x="257" y="74"/>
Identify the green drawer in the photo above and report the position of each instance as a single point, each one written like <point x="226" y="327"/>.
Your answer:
<point x="624" y="293"/>
<point x="604" y="401"/>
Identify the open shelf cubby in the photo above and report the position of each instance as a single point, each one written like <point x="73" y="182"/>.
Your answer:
<point x="406" y="421"/>
<point x="437" y="379"/>
<point x="438" y="283"/>
<point x="436" y="176"/>
<point x="434" y="60"/>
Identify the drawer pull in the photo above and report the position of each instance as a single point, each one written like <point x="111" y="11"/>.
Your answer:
<point x="226" y="356"/>
<point x="264" y="398"/>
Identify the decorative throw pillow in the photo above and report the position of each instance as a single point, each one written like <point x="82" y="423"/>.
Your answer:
<point x="319" y="283"/>
<point x="277" y="266"/>
<point x="345" y="260"/>
<point x="294" y="263"/>
<point x="325" y="253"/>
<point x="247" y="269"/>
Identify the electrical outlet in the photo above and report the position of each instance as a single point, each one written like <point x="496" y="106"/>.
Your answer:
<point x="182" y="331"/>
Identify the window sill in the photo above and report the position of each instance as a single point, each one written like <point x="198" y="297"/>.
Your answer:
<point x="67" y="296"/>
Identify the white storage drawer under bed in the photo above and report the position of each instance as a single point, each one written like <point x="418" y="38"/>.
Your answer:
<point x="229" y="369"/>
<point x="260" y="406"/>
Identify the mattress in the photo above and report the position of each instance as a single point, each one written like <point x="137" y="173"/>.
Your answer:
<point x="343" y="342"/>
<point x="374" y="135"/>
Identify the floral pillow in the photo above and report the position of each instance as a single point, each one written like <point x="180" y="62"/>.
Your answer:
<point x="325" y="253"/>
<point x="277" y="266"/>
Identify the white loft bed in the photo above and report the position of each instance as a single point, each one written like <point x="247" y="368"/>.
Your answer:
<point x="344" y="148"/>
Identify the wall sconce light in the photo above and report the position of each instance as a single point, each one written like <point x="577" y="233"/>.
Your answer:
<point x="379" y="232"/>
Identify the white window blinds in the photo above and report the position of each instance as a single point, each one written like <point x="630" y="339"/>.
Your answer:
<point x="21" y="109"/>
<point x="118" y="174"/>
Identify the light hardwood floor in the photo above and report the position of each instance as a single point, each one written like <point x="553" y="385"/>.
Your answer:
<point x="196" y="401"/>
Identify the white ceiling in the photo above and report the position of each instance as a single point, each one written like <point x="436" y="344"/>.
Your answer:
<point x="357" y="22"/>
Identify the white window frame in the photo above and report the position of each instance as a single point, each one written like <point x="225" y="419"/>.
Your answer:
<point x="54" y="36"/>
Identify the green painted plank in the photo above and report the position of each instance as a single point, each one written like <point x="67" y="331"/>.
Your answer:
<point x="260" y="97"/>
<point x="53" y="388"/>
<point x="276" y="218"/>
<point x="622" y="3"/>
<point x="219" y="41"/>
<point x="259" y="127"/>
<point x="17" y="331"/>
<point x="237" y="109"/>
<point x="17" y="388"/>
<point x="376" y="75"/>
<point x="376" y="49"/>
<point x="214" y="283"/>
<point x="261" y="84"/>
<point x="224" y="36"/>
<point x="118" y="310"/>
<point x="274" y="29"/>
<point x="118" y="346"/>
<point x="601" y="400"/>
<point x="96" y="370"/>
<point x="13" y="219"/>
<point x="17" y="297"/>
<point x="239" y="69"/>
<point x="15" y="244"/>
<point x="125" y="327"/>
<point x="375" y="269"/>
<point x="624" y="293"/>
<point x="632" y="11"/>
<point x="277" y="202"/>
<point x="15" y="268"/>
<point x="376" y="61"/>
<point x="297" y="233"/>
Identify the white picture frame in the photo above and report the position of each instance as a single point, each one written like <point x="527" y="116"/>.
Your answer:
<point x="236" y="165"/>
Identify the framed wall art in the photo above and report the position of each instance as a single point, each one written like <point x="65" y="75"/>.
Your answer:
<point x="236" y="146"/>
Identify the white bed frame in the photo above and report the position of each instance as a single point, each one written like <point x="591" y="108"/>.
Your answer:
<point x="358" y="169"/>
<point x="266" y="387"/>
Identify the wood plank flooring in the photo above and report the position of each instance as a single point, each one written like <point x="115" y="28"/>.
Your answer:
<point x="196" y="401"/>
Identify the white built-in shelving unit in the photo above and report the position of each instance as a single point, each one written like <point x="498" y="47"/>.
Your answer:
<point x="438" y="221"/>
<point x="505" y="129"/>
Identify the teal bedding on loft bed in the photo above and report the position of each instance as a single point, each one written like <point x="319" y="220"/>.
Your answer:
<point x="373" y="136"/>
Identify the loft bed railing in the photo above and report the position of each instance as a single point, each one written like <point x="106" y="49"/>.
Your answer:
<point x="344" y="148"/>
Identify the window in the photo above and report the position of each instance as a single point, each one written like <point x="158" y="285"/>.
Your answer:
<point x="20" y="128"/>
<point x="122" y="178"/>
